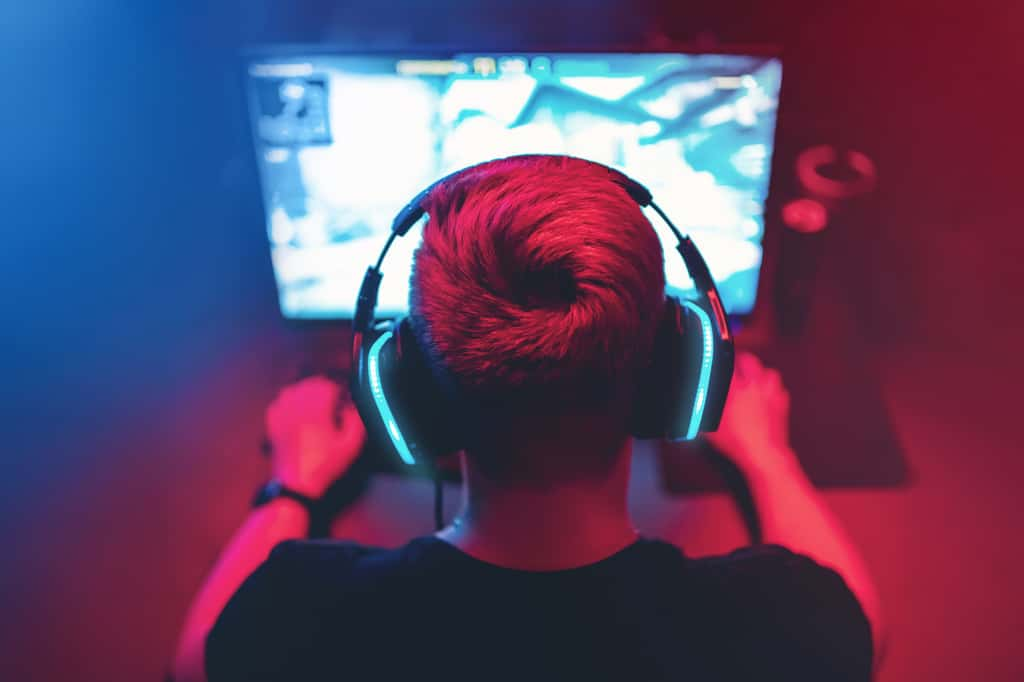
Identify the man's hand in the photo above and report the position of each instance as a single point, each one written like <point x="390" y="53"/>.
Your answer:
<point x="314" y="437"/>
<point x="754" y="432"/>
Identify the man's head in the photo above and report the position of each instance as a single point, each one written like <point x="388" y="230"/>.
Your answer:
<point x="538" y="289"/>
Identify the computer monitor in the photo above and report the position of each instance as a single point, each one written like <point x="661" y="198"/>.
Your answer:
<point x="344" y="140"/>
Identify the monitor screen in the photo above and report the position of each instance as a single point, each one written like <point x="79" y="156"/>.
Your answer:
<point x="344" y="141"/>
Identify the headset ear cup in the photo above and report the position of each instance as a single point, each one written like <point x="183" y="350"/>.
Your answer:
<point x="697" y="336"/>
<point x="708" y="361"/>
<point x="682" y="391"/>
<point x="403" y="408"/>
<point x="721" y="379"/>
<point x="374" y="390"/>
<point x="657" y="398"/>
<point x="431" y="413"/>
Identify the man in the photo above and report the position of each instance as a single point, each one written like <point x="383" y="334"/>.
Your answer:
<point x="540" y="280"/>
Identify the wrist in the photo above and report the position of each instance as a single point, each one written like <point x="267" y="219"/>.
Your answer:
<point x="287" y="505"/>
<point x="276" y="489"/>
<point x="289" y="513"/>
<point x="313" y="491"/>
<point x="770" y="463"/>
<point x="290" y="475"/>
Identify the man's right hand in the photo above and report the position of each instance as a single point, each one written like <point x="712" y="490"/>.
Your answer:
<point x="754" y="431"/>
<point x="754" y="434"/>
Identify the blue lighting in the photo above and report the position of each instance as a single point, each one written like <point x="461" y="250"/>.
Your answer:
<point x="377" y="389"/>
<point x="706" y="358"/>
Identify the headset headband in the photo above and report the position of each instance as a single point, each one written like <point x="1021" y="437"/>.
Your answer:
<point x="697" y="268"/>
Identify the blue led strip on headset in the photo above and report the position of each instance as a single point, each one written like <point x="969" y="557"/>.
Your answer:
<point x="377" y="390"/>
<point x="706" y="358"/>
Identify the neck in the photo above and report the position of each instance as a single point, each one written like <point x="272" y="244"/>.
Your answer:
<point x="544" y="527"/>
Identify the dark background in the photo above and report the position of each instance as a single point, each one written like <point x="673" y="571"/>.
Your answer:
<point x="141" y="339"/>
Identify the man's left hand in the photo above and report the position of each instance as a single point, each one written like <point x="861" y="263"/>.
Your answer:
<point x="314" y="437"/>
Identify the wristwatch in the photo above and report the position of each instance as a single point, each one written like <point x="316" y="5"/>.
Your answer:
<point x="274" y="489"/>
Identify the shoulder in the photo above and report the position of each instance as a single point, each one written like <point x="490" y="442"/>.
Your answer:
<point x="786" y="608"/>
<point x="756" y="560"/>
<point x="772" y="573"/>
<point x="311" y="557"/>
<point x="271" y="617"/>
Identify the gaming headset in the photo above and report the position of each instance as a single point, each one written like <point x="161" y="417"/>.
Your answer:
<point x="410" y="408"/>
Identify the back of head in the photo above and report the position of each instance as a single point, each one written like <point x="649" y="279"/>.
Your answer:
<point x="537" y="291"/>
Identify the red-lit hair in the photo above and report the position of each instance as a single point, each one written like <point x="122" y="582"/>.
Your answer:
<point x="539" y="283"/>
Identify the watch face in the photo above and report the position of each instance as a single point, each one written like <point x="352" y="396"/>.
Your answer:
<point x="266" y="493"/>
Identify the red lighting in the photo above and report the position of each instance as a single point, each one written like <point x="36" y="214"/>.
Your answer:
<point x="858" y="169"/>
<point x="805" y="215"/>
<point x="716" y="307"/>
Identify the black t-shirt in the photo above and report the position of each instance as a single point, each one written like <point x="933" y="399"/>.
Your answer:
<point x="427" y="611"/>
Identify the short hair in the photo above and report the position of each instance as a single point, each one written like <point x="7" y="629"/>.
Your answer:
<point x="539" y="284"/>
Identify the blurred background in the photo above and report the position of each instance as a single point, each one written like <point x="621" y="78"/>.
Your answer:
<point x="141" y="335"/>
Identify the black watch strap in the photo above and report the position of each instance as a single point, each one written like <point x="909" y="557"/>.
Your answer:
<point x="274" y="489"/>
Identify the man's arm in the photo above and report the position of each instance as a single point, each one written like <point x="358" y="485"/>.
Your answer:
<point x="795" y="516"/>
<point x="280" y="520"/>
<point x="310" y="450"/>
<point x="754" y="434"/>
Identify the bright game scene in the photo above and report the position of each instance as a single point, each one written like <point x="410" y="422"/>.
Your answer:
<point x="344" y="141"/>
